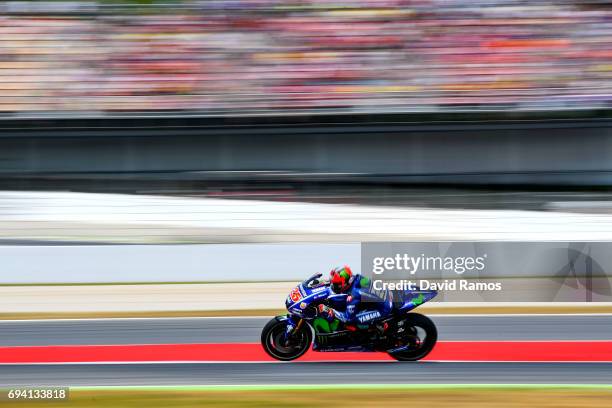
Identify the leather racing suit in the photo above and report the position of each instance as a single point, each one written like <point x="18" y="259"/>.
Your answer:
<point x="363" y="306"/>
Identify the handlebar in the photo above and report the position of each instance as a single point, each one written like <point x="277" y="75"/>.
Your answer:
<point x="315" y="280"/>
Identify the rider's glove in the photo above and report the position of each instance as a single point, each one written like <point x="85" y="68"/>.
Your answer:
<point x="326" y="310"/>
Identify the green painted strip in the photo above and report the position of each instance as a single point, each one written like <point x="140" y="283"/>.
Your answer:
<point x="280" y="387"/>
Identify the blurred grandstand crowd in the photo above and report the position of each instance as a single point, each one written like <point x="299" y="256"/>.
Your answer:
<point x="232" y="56"/>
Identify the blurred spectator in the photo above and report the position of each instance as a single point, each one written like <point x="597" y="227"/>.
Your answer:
<point x="238" y="56"/>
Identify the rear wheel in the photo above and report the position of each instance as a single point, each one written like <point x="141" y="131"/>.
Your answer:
<point x="274" y="342"/>
<point x="418" y="334"/>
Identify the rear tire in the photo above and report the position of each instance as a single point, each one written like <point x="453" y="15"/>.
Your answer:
<point x="271" y="340"/>
<point x="422" y="345"/>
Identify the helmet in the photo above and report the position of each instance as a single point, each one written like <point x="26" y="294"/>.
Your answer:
<point x="340" y="279"/>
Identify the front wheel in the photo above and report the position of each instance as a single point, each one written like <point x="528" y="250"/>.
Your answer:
<point x="274" y="342"/>
<point x="417" y="335"/>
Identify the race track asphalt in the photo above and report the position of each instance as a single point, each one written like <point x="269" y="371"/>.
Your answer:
<point x="306" y="373"/>
<point x="247" y="330"/>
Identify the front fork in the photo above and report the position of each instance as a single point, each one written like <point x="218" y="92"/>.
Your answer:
<point x="294" y="325"/>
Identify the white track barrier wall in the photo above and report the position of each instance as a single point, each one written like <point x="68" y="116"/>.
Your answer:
<point x="172" y="263"/>
<point x="257" y="235"/>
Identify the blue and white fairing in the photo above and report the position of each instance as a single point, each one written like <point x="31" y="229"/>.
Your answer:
<point x="310" y="292"/>
<point x="410" y="299"/>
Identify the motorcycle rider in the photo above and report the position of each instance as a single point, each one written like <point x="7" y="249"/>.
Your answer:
<point x="362" y="305"/>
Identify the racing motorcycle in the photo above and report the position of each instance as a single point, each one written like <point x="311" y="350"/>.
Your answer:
<point x="405" y="336"/>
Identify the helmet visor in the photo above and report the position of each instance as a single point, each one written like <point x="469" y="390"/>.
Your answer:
<point x="336" y="287"/>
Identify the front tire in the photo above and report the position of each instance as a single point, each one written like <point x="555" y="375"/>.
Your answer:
<point x="420" y="333"/>
<point x="272" y="340"/>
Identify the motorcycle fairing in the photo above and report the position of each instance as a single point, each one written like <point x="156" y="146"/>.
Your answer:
<point x="408" y="300"/>
<point x="328" y="337"/>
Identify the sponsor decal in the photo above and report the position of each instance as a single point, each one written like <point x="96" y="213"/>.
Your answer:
<point x="419" y="300"/>
<point x="320" y="295"/>
<point x="295" y="295"/>
<point x="367" y="316"/>
<point x="303" y="305"/>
